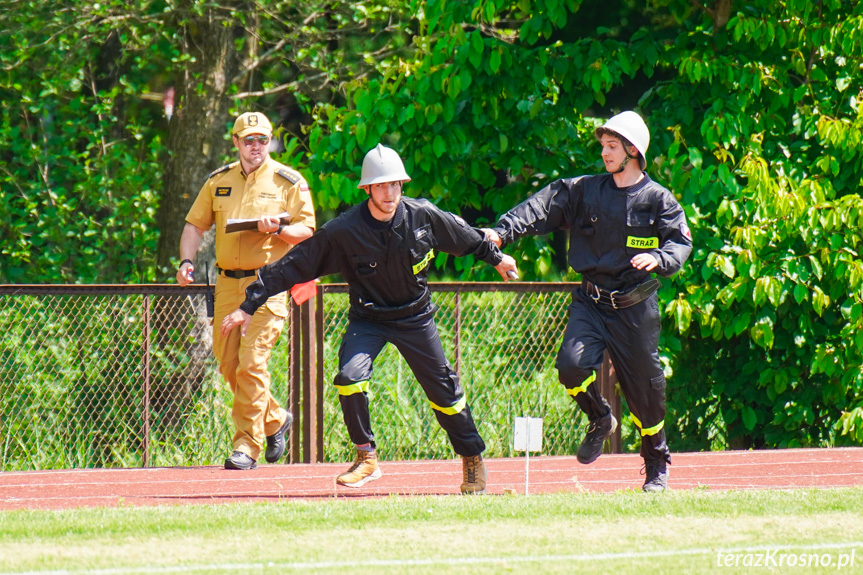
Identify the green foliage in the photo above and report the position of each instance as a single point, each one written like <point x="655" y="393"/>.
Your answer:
<point x="84" y="135"/>
<point x="772" y="174"/>
<point x="754" y="127"/>
<point x="477" y="133"/>
<point x="80" y="180"/>
<point x="754" y="115"/>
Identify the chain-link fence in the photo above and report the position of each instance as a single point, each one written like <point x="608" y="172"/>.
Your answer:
<point x="123" y="376"/>
<point x="503" y="344"/>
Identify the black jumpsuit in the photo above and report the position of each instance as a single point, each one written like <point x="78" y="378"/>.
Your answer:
<point x="608" y="226"/>
<point x="385" y="265"/>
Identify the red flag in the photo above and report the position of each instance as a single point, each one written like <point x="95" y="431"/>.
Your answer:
<point x="302" y="292"/>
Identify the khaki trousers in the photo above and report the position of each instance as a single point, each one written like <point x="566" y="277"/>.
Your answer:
<point x="243" y="363"/>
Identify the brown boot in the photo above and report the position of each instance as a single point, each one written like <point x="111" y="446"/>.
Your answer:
<point x="364" y="469"/>
<point x="473" y="470"/>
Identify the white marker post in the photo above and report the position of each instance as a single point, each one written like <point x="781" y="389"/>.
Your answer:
<point x="527" y="438"/>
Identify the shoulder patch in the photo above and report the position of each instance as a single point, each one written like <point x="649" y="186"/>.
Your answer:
<point x="289" y="175"/>
<point x="219" y="171"/>
<point x="684" y="229"/>
<point x="458" y="220"/>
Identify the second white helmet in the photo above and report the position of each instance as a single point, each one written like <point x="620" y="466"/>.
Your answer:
<point x="382" y="165"/>
<point x="632" y="127"/>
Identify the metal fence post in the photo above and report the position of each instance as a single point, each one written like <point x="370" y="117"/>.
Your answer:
<point x="458" y="333"/>
<point x="310" y="396"/>
<point x="295" y="385"/>
<point x="318" y="374"/>
<point x="145" y="407"/>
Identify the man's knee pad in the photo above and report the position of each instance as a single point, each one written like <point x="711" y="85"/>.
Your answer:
<point x="351" y="373"/>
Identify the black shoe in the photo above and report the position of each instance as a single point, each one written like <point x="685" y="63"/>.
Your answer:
<point x="276" y="442"/>
<point x="655" y="477"/>
<point x="239" y="460"/>
<point x="597" y="432"/>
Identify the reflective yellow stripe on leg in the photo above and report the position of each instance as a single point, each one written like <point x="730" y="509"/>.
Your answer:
<point x="650" y="430"/>
<point x="583" y="387"/>
<point x="358" y="387"/>
<point x="456" y="408"/>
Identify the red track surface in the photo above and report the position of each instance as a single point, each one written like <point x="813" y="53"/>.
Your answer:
<point x="776" y="469"/>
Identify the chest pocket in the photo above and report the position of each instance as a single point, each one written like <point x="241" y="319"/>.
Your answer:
<point x="422" y="248"/>
<point x="640" y="233"/>
<point x="268" y="201"/>
<point x="221" y="204"/>
<point x="586" y="227"/>
<point x="365" y="266"/>
<point x="592" y="217"/>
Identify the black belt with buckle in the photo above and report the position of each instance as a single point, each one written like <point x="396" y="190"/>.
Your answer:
<point x="621" y="299"/>
<point x="238" y="274"/>
<point x="368" y="310"/>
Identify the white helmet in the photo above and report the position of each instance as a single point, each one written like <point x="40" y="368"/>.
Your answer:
<point x="630" y="126"/>
<point x="382" y="165"/>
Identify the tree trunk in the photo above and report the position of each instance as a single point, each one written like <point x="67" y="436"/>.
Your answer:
<point x="722" y="13"/>
<point x="198" y="132"/>
<point x="198" y="142"/>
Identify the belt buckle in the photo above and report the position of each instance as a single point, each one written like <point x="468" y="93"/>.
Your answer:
<point x="596" y="297"/>
<point x="611" y="298"/>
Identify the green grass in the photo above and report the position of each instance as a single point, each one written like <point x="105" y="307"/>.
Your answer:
<point x="624" y="532"/>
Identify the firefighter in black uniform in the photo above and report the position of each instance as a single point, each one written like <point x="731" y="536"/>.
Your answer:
<point x="623" y="226"/>
<point x="382" y="248"/>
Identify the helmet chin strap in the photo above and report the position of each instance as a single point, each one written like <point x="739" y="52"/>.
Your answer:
<point x="623" y="164"/>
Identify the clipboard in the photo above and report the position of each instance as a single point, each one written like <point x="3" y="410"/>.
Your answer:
<point x="241" y="224"/>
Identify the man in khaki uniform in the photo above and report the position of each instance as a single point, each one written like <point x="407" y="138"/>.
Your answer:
<point x="259" y="188"/>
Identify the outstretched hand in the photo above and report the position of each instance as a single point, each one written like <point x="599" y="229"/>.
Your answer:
<point x="235" y="318"/>
<point x="493" y="236"/>
<point x="644" y="261"/>
<point x="507" y="269"/>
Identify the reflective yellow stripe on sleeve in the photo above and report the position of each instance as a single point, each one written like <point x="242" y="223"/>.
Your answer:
<point x="583" y="387"/>
<point x="650" y="430"/>
<point x="458" y="407"/>
<point x="358" y="387"/>
<point x="419" y="267"/>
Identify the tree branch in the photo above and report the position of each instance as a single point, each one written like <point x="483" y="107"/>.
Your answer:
<point x="277" y="89"/>
<point x="698" y="5"/>
<point x="720" y="14"/>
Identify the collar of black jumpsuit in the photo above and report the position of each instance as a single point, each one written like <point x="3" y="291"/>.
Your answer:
<point x="634" y="187"/>
<point x="376" y="224"/>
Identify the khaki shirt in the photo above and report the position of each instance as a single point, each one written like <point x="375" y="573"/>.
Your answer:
<point x="271" y="189"/>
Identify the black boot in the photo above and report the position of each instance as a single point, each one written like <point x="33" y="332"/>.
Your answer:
<point x="655" y="477"/>
<point x="597" y="432"/>
<point x="276" y="442"/>
<point x="239" y="460"/>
